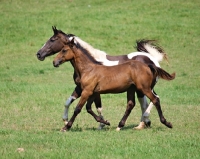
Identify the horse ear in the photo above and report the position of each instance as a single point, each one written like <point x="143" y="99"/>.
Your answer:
<point x="72" y="43"/>
<point x="54" y="30"/>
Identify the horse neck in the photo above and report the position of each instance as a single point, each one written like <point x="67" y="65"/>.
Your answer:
<point x="81" y="63"/>
<point x="72" y="61"/>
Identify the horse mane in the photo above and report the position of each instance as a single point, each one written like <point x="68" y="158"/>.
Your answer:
<point x="70" y="35"/>
<point x="56" y="31"/>
<point x="96" y="53"/>
<point x="79" y="46"/>
<point x="87" y="53"/>
<point x="67" y="35"/>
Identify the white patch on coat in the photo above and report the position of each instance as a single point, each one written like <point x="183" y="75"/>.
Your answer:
<point x="100" y="56"/>
<point x="133" y="54"/>
<point x="97" y="54"/>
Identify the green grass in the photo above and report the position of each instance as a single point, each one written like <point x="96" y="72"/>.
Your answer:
<point x="32" y="93"/>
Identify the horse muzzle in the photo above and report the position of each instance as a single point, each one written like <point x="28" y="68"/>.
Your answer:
<point x="56" y="63"/>
<point x="41" y="58"/>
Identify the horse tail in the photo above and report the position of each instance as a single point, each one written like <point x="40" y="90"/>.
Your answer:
<point x="157" y="71"/>
<point x="151" y="47"/>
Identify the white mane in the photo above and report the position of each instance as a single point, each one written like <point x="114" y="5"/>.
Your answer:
<point x="97" y="54"/>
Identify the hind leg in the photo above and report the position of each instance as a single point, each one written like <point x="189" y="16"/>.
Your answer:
<point x="89" y="110"/>
<point x="147" y="111"/>
<point x="130" y="106"/>
<point x="145" y="121"/>
<point x="156" y="101"/>
<point x="98" y="104"/>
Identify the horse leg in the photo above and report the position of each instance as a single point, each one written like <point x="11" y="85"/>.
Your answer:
<point x="147" y="111"/>
<point x="76" y="94"/>
<point x="156" y="101"/>
<point x="130" y="106"/>
<point x="98" y="104"/>
<point x="82" y="101"/>
<point x="145" y="121"/>
<point x="89" y="110"/>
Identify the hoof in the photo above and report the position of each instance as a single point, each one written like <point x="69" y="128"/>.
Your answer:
<point x="101" y="126"/>
<point x="107" y="123"/>
<point x="63" y="130"/>
<point x="148" y="124"/>
<point x="169" y="125"/>
<point x="20" y="149"/>
<point x="141" y="126"/>
<point x="118" y="129"/>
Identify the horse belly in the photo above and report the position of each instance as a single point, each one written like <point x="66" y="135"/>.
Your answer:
<point x="113" y="86"/>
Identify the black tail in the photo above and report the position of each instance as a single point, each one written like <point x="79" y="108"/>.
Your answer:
<point x="157" y="71"/>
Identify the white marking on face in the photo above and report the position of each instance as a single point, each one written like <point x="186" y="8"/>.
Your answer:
<point x="43" y="45"/>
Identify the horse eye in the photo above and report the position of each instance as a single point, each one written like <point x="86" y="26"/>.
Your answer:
<point x="52" y="40"/>
<point x="64" y="51"/>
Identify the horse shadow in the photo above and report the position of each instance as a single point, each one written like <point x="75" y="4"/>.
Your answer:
<point x="77" y="128"/>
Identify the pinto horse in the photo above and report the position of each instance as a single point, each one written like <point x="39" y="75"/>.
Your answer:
<point x="148" y="52"/>
<point x="96" y="78"/>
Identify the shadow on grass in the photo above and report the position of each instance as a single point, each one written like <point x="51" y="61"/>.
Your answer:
<point x="77" y="128"/>
<point x="110" y="128"/>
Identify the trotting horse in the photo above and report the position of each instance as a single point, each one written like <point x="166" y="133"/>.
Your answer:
<point x="149" y="53"/>
<point x="96" y="78"/>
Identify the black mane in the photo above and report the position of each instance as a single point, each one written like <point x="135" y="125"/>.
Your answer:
<point x="85" y="51"/>
<point x="70" y="35"/>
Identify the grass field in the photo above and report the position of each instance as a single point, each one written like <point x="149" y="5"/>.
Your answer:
<point x="33" y="93"/>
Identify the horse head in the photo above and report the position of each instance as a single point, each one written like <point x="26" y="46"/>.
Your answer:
<point x="53" y="45"/>
<point x="66" y="54"/>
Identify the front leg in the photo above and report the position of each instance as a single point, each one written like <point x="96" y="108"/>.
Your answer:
<point x="82" y="101"/>
<point x="76" y="94"/>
